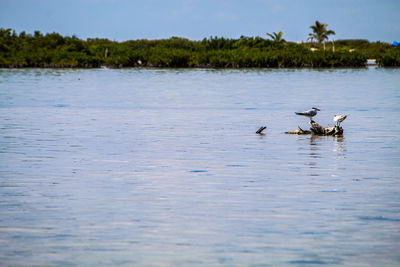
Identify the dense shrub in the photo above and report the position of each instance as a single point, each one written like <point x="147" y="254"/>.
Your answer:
<point x="391" y="58"/>
<point x="54" y="50"/>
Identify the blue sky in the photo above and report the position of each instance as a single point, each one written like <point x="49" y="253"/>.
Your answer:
<point x="195" y="19"/>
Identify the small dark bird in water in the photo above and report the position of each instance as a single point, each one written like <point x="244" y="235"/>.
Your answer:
<point x="309" y="113"/>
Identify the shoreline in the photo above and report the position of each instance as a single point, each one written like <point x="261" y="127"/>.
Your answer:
<point x="193" y="67"/>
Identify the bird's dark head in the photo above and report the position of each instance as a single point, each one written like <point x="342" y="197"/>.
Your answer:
<point x="316" y="109"/>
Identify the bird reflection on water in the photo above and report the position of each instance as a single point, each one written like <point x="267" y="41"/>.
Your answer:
<point x="315" y="152"/>
<point x="340" y="149"/>
<point x="315" y="146"/>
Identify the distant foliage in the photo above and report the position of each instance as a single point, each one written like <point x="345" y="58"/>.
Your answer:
<point x="391" y="58"/>
<point x="371" y="50"/>
<point x="320" y="32"/>
<point x="276" y="37"/>
<point x="56" y="51"/>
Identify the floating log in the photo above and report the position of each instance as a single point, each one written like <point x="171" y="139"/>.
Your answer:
<point x="262" y="128"/>
<point x="319" y="130"/>
<point x="299" y="131"/>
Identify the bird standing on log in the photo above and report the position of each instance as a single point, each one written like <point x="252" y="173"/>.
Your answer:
<point x="339" y="119"/>
<point x="309" y="113"/>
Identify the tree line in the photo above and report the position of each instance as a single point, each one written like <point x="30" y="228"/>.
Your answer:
<point x="53" y="50"/>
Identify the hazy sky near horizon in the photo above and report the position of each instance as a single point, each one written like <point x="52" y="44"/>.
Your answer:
<point x="195" y="19"/>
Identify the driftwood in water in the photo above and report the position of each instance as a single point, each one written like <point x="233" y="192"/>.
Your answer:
<point x="262" y="128"/>
<point x="298" y="131"/>
<point x="319" y="130"/>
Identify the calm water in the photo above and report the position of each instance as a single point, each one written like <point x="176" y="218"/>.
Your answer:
<point x="163" y="168"/>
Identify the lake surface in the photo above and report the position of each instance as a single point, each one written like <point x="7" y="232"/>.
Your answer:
<point x="157" y="167"/>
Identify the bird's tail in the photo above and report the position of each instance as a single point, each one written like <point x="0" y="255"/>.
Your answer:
<point x="299" y="113"/>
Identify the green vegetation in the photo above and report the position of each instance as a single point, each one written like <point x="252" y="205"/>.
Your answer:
<point x="390" y="57"/>
<point x="53" y="50"/>
<point x="277" y="37"/>
<point x="320" y="33"/>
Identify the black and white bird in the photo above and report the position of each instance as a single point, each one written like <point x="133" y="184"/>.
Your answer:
<point x="309" y="113"/>
<point x="339" y="119"/>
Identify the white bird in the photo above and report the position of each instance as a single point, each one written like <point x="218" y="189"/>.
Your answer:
<point x="309" y="113"/>
<point x="339" y="119"/>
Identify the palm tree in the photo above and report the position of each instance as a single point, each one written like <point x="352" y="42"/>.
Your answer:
<point x="276" y="37"/>
<point x="311" y="39"/>
<point x="320" y="33"/>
